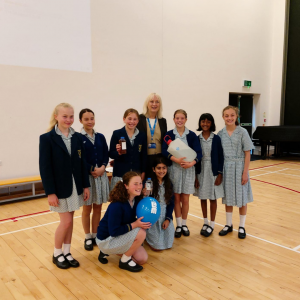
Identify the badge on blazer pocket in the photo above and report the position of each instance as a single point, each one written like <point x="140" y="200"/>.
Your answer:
<point x="140" y="148"/>
<point x="79" y="153"/>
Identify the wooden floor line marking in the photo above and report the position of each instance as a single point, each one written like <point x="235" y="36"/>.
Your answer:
<point x="296" y="248"/>
<point x="15" y="219"/>
<point x="256" y="237"/>
<point x="283" y="187"/>
<point x="267" y="173"/>
<point x="289" y="174"/>
<point x="32" y="214"/>
<point x="269" y="166"/>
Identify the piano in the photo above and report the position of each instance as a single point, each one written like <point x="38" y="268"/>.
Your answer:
<point x="285" y="139"/>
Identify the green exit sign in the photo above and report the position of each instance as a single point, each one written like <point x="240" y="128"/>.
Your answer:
<point x="247" y="83"/>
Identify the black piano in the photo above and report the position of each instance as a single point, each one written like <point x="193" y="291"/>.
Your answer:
<point x="286" y="139"/>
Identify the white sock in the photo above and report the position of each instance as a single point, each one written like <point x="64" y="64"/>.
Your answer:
<point x="66" y="250"/>
<point x="126" y="258"/>
<point x="228" y="220"/>
<point x="212" y="225"/>
<point x="94" y="235"/>
<point x="179" y="223"/>
<point x="184" y="223"/>
<point x="88" y="236"/>
<point x="205" y="223"/>
<point x="58" y="252"/>
<point x="242" y="222"/>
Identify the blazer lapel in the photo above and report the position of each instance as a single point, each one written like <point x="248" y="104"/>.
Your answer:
<point x="58" y="140"/>
<point x="74" y="142"/>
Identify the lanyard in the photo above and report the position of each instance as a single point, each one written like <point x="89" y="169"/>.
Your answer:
<point x="152" y="129"/>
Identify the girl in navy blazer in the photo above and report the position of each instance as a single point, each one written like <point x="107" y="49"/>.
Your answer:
<point x="182" y="173"/>
<point x="135" y="158"/>
<point x="209" y="171"/>
<point x="65" y="180"/>
<point x="119" y="231"/>
<point x="97" y="160"/>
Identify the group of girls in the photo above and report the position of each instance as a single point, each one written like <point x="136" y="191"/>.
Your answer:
<point x="72" y="168"/>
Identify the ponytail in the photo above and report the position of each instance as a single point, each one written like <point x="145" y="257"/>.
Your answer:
<point x="53" y="121"/>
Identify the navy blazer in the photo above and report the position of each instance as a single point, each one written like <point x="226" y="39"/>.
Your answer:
<point x="135" y="158"/>
<point x="117" y="220"/>
<point x="57" y="166"/>
<point x="193" y="142"/>
<point x="97" y="153"/>
<point x="217" y="157"/>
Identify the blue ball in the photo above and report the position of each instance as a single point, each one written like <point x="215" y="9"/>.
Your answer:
<point x="149" y="208"/>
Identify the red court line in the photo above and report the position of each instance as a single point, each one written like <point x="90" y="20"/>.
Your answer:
<point x="283" y="187"/>
<point x="14" y="218"/>
<point x="268" y="166"/>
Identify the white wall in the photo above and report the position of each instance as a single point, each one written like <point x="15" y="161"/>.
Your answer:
<point x="192" y="53"/>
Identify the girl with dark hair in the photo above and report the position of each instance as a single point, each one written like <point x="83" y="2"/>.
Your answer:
<point x="161" y="235"/>
<point x="209" y="171"/>
<point x="97" y="160"/>
<point x="119" y="231"/>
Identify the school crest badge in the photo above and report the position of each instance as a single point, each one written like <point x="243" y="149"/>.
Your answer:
<point x="79" y="153"/>
<point x="140" y="148"/>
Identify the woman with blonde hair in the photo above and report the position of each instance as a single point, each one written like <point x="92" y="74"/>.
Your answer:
<point x="65" y="178"/>
<point x="154" y="126"/>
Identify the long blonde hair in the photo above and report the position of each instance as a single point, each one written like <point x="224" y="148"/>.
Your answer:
<point x="145" y="108"/>
<point x="53" y="121"/>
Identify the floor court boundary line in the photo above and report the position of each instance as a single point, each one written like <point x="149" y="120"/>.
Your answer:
<point x="15" y="219"/>
<point x="258" y="238"/>
<point x="283" y="187"/>
<point x="269" y="166"/>
<point x="27" y="215"/>
<point x="268" y="173"/>
<point x="41" y="225"/>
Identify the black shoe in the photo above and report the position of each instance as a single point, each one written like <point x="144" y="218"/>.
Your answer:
<point x="73" y="263"/>
<point x="102" y="258"/>
<point x="224" y="232"/>
<point x="242" y="235"/>
<point x="203" y="230"/>
<point x="185" y="232"/>
<point x="88" y="247"/>
<point x="61" y="264"/>
<point x="126" y="266"/>
<point x="206" y="233"/>
<point x="178" y="233"/>
<point x="94" y="242"/>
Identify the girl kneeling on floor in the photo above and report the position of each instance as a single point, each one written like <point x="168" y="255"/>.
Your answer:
<point x="119" y="231"/>
<point x="161" y="235"/>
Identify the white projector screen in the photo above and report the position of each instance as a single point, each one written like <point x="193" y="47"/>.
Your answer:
<point x="54" y="34"/>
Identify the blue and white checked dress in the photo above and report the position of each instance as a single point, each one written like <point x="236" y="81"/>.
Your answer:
<point x="207" y="188"/>
<point x="183" y="180"/>
<point x="157" y="237"/>
<point x="99" y="189"/>
<point x="234" y="146"/>
<point x="75" y="201"/>
<point x="115" y="180"/>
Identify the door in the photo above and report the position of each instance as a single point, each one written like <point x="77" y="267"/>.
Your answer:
<point x="245" y="104"/>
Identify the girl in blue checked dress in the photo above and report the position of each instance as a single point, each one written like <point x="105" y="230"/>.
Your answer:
<point x="182" y="173"/>
<point x="236" y="145"/>
<point x="161" y="235"/>
<point x="97" y="159"/>
<point x="209" y="171"/>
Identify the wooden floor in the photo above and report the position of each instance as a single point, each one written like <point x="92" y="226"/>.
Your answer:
<point x="266" y="265"/>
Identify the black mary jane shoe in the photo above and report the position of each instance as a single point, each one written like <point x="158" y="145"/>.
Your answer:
<point x="73" y="263"/>
<point x="94" y="242"/>
<point x="89" y="247"/>
<point x="178" y="233"/>
<point x="61" y="264"/>
<point x="202" y="232"/>
<point x="185" y="232"/>
<point x="242" y="235"/>
<point x="206" y="233"/>
<point x="126" y="266"/>
<point x="102" y="258"/>
<point x="224" y="232"/>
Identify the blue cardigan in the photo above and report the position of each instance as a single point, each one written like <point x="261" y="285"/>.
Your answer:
<point x="217" y="157"/>
<point x="135" y="158"/>
<point x="57" y="166"/>
<point x="117" y="220"/>
<point x="97" y="153"/>
<point x="193" y="142"/>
